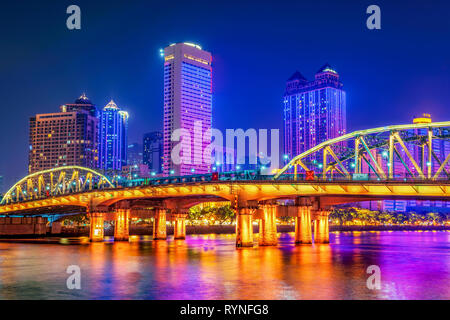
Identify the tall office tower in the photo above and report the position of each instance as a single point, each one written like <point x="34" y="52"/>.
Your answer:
<point x="187" y="106"/>
<point x="153" y="151"/>
<point x="135" y="154"/>
<point x="314" y="111"/>
<point x="113" y="138"/>
<point x="69" y="137"/>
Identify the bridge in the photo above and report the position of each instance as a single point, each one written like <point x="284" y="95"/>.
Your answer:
<point x="394" y="162"/>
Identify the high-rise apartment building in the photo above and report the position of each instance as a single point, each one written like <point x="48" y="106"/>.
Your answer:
<point x="187" y="106"/>
<point x="113" y="138"/>
<point x="314" y="111"/>
<point x="153" y="151"/>
<point x="65" y="138"/>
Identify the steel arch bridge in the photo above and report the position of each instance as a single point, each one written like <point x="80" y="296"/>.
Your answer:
<point x="419" y="151"/>
<point x="413" y="151"/>
<point x="56" y="182"/>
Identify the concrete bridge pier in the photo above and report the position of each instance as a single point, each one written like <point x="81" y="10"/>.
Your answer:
<point x="268" y="226"/>
<point x="159" y="225"/>
<point x="97" y="228"/>
<point x="179" y="230"/>
<point x="122" y="226"/>
<point x="303" y="232"/>
<point x="321" y="230"/>
<point x="244" y="227"/>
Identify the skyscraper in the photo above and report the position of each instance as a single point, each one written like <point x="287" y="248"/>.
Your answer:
<point x="65" y="138"/>
<point x="135" y="154"/>
<point x="314" y="111"/>
<point x="153" y="151"/>
<point x="113" y="137"/>
<point x="187" y="105"/>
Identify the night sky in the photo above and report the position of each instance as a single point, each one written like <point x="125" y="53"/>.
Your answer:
<point x="389" y="75"/>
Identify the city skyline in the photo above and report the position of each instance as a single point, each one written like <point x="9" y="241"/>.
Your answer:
<point x="259" y="86"/>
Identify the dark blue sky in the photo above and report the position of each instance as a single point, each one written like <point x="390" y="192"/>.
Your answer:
<point x="389" y="74"/>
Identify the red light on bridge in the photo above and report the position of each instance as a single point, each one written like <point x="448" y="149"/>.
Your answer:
<point x="309" y="175"/>
<point x="215" y="176"/>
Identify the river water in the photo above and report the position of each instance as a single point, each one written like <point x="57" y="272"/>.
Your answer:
<point x="413" y="265"/>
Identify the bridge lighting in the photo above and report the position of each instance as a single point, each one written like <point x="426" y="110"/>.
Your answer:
<point x="385" y="154"/>
<point x="389" y="164"/>
<point x="135" y="175"/>
<point x="161" y="52"/>
<point x="47" y="187"/>
<point x="353" y="165"/>
<point x="238" y="167"/>
<point x="172" y="172"/>
<point x="214" y="168"/>
<point x="263" y="168"/>
<point x="320" y="165"/>
<point x="286" y="157"/>
<point x="428" y="163"/>
<point x="192" y="170"/>
<point x="153" y="173"/>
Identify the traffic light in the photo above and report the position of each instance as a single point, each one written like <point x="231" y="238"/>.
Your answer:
<point x="215" y="176"/>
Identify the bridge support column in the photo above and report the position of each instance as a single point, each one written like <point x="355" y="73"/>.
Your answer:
<point x="268" y="226"/>
<point x="179" y="230"/>
<point x="121" y="225"/>
<point x="244" y="228"/>
<point x="303" y="233"/>
<point x="321" y="230"/>
<point x="97" y="229"/>
<point x="159" y="225"/>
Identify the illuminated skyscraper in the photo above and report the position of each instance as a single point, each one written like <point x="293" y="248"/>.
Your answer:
<point x="187" y="105"/>
<point x="113" y="138"/>
<point x="314" y="111"/>
<point x="153" y="151"/>
<point x="65" y="138"/>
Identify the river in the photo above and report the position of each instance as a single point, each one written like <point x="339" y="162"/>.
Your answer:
<point x="413" y="265"/>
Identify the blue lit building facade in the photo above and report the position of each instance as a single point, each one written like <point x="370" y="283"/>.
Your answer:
<point x="113" y="138"/>
<point x="314" y="111"/>
<point x="153" y="151"/>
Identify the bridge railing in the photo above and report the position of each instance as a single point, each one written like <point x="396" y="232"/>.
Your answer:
<point x="247" y="176"/>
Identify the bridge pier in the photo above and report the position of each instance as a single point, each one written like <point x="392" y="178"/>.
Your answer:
<point x="303" y="233"/>
<point x="321" y="230"/>
<point x="179" y="230"/>
<point x="244" y="228"/>
<point x="121" y="225"/>
<point x="159" y="225"/>
<point x="97" y="229"/>
<point x="268" y="226"/>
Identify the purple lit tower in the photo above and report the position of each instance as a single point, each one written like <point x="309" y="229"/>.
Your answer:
<point x="314" y="111"/>
<point x="187" y="103"/>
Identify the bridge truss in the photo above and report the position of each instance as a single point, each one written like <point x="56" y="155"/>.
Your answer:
<point x="56" y="182"/>
<point x="414" y="151"/>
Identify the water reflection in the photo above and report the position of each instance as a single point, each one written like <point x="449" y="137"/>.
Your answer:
<point x="414" y="265"/>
